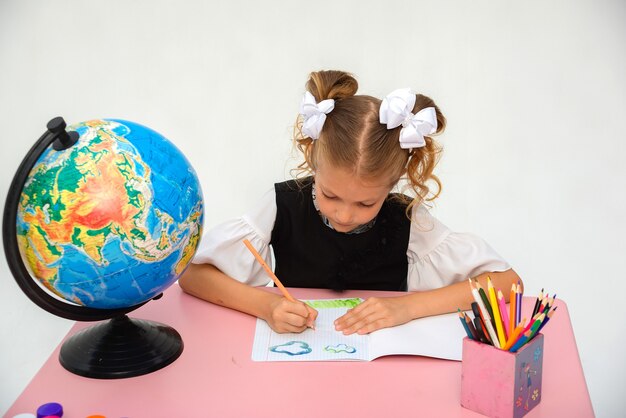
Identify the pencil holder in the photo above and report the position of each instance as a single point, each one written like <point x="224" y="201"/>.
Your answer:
<point x="499" y="383"/>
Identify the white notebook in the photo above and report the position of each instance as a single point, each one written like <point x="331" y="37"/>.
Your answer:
<point x="436" y="336"/>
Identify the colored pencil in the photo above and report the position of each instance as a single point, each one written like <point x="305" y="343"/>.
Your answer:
<point x="478" y="318"/>
<point x="536" y="319"/>
<point x="515" y="335"/>
<point x="543" y="305"/>
<point x="518" y="305"/>
<point x="496" y="313"/>
<point x="480" y="330"/>
<point x="537" y="325"/>
<point x="537" y="302"/>
<point x="487" y="319"/>
<point x="520" y="342"/>
<point x="485" y="299"/>
<point x="504" y="315"/>
<point x="467" y="330"/>
<point x="268" y="270"/>
<point x="513" y="307"/>
<point x="548" y="316"/>
<point x="470" y="325"/>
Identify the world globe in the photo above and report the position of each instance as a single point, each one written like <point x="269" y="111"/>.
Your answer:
<point x="100" y="219"/>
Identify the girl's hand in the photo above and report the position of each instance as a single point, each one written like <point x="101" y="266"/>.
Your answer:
<point x="287" y="316"/>
<point x="372" y="314"/>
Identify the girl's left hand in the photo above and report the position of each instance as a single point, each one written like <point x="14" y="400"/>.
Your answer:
<point x="372" y="314"/>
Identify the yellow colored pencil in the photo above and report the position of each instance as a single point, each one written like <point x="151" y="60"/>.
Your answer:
<point x="496" y="313"/>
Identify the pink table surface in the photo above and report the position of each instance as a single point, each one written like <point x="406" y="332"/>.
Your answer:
<point x="215" y="376"/>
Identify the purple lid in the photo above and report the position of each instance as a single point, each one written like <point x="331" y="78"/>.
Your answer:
<point x="47" y="409"/>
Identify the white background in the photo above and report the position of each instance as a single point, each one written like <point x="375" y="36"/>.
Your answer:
<point x="534" y="92"/>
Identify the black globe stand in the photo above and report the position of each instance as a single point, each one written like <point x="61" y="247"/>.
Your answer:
<point x="121" y="347"/>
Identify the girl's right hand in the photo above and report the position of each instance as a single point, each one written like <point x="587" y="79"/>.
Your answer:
<point x="287" y="316"/>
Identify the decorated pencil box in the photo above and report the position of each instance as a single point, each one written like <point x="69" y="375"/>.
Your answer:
<point x="500" y="383"/>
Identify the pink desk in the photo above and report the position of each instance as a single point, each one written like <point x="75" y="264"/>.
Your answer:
<point x="215" y="377"/>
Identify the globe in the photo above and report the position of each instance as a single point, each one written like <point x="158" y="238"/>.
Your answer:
<point x="112" y="221"/>
<point x="100" y="219"/>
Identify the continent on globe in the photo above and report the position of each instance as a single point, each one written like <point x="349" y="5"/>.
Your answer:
<point x="113" y="220"/>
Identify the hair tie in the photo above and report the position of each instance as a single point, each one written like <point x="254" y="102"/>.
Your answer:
<point x="395" y="110"/>
<point x="314" y="114"/>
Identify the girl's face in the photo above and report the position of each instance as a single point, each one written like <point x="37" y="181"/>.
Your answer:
<point x="346" y="200"/>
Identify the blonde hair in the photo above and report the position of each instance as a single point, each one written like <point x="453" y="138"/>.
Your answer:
<point x="353" y="138"/>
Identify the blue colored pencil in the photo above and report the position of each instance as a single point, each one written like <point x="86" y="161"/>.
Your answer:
<point x="525" y="337"/>
<point x="467" y="330"/>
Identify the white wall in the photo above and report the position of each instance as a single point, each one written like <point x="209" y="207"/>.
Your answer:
<point x="534" y="92"/>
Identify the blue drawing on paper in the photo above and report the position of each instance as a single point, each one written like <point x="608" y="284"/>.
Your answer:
<point x="292" y="348"/>
<point x="340" y="348"/>
<point x="537" y="353"/>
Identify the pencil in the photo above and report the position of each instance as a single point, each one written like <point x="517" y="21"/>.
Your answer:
<point x="480" y="330"/>
<point x="535" y="322"/>
<point x="464" y="323"/>
<point x="548" y="316"/>
<point x="537" y="302"/>
<point x="479" y="322"/>
<point x="487" y="319"/>
<point x="520" y="342"/>
<point x="518" y="304"/>
<point x="535" y="328"/>
<point x="470" y="325"/>
<point x="485" y="299"/>
<point x="268" y="270"/>
<point x="496" y="313"/>
<point x="504" y="315"/>
<point x="515" y="335"/>
<point x="513" y="308"/>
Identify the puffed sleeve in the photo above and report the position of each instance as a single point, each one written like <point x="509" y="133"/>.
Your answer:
<point x="439" y="257"/>
<point x="222" y="245"/>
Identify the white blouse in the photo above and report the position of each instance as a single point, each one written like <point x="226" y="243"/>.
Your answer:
<point x="437" y="257"/>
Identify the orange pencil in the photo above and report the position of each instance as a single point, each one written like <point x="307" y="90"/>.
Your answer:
<point x="268" y="270"/>
<point x="515" y="335"/>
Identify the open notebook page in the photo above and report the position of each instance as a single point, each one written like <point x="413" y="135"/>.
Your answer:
<point x="437" y="336"/>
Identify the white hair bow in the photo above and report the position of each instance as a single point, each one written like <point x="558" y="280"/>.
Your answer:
<point x="314" y="114"/>
<point x="395" y="110"/>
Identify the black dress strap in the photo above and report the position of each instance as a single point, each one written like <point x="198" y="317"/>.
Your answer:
<point x="310" y="254"/>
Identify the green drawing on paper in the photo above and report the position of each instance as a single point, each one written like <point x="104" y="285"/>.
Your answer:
<point x="334" y="303"/>
<point x="340" y="348"/>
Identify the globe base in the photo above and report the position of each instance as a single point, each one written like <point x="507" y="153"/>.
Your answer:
<point x="121" y="347"/>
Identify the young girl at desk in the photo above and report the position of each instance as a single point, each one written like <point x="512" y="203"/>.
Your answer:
<point x="342" y="228"/>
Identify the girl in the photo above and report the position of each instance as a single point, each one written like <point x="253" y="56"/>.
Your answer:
<point x="342" y="228"/>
